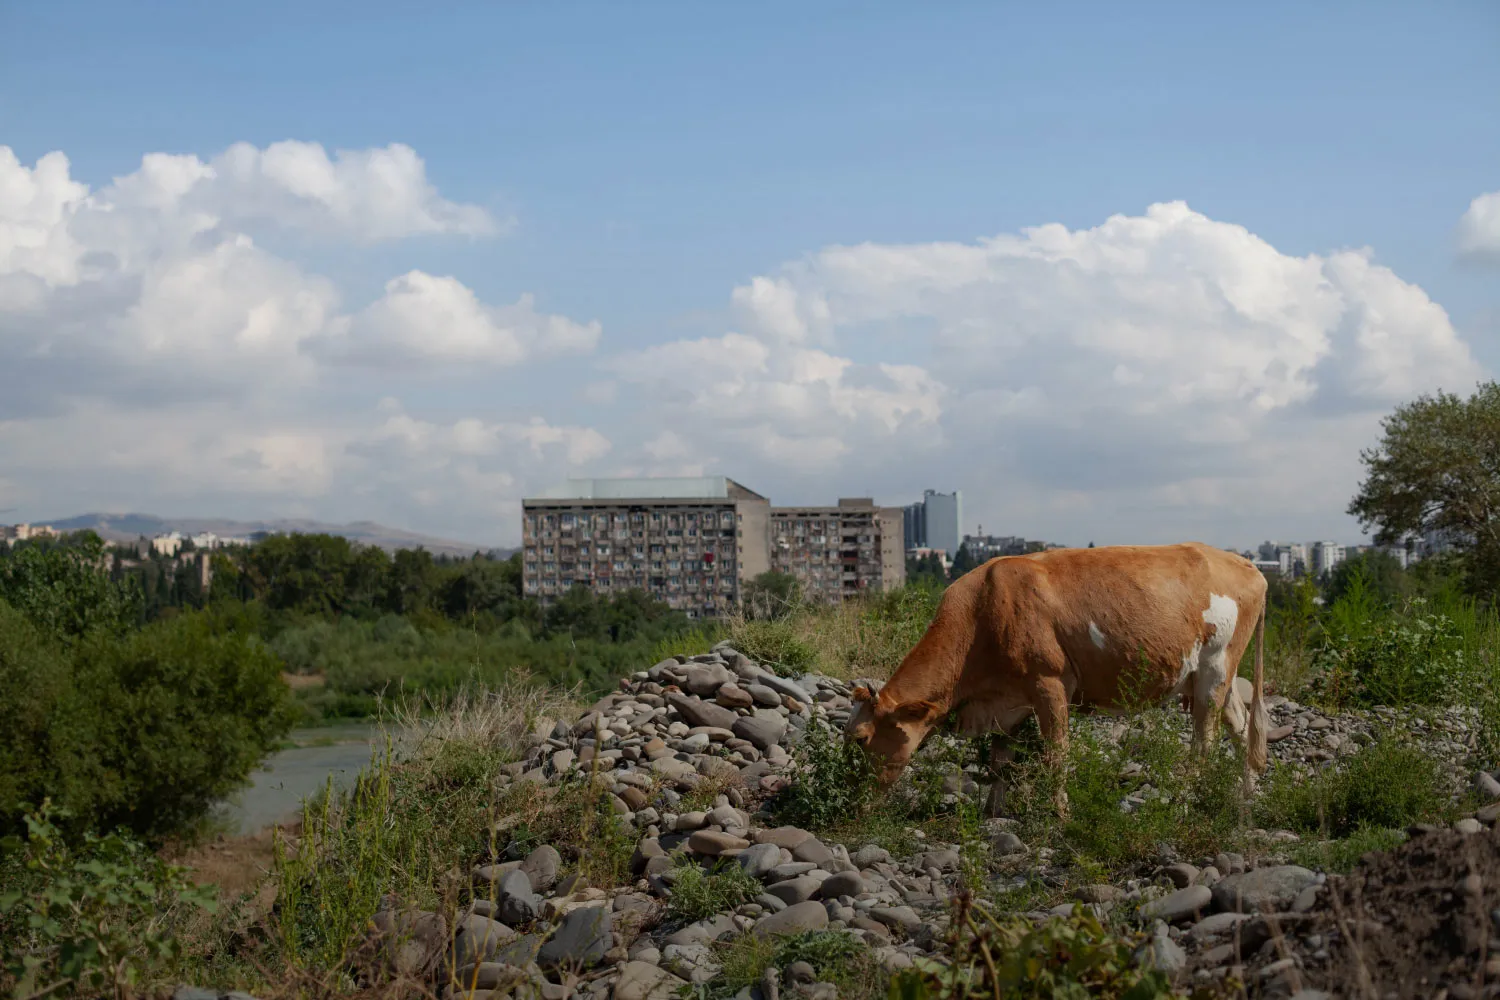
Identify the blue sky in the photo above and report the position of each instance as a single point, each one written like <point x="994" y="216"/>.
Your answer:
<point x="640" y="162"/>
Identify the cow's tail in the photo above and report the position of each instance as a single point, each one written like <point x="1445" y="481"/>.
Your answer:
<point x="1259" y="721"/>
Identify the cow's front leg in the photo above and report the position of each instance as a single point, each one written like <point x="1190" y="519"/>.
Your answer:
<point x="1051" y="706"/>
<point x="999" y="755"/>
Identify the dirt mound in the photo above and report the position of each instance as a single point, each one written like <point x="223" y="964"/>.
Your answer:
<point x="1419" y="921"/>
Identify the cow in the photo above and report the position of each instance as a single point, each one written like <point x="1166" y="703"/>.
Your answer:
<point x="1113" y="628"/>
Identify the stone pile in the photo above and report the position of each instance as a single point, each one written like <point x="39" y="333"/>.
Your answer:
<point x="721" y="724"/>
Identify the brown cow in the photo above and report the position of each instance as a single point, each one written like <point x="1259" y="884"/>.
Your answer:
<point x="1034" y="633"/>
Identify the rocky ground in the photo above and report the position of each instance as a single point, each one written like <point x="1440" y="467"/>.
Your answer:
<point x="721" y="723"/>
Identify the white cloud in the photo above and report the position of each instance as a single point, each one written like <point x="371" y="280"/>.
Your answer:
<point x="1164" y="373"/>
<point x="1479" y="229"/>
<point x="426" y="319"/>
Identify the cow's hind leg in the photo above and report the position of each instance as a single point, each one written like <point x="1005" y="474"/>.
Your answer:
<point x="1050" y="702"/>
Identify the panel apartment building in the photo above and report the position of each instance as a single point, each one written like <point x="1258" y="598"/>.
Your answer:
<point x="695" y="543"/>
<point x="691" y="542"/>
<point x="839" y="552"/>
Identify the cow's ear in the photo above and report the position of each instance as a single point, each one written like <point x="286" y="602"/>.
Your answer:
<point x="861" y="693"/>
<point x="916" y="711"/>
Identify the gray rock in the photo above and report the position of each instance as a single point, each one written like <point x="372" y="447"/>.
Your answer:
<point x="704" y="931"/>
<point x="805" y="916"/>
<point x="782" y="836"/>
<point x="1262" y="889"/>
<point x="580" y="940"/>
<point x="944" y="860"/>
<point x="871" y="855"/>
<point x="731" y="695"/>
<point x="813" y="851"/>
<point x="786" y="687"/>
<point x="1101" y="893"/>
<point x="515" y="899"/>
<point x="713" y="843"/>
<point x="1162" y="953"/>
<point x="645" y="981"/>
<point x="1006" y="843"/>
<point x="761" y="730"/>
<point x="490" y="976"/>
<point x="1218" y="923"/>
<point x="707" y="678"/>
<point x="794" y="890"/>
<point x="693" y="962"/>
<point x="1181" y="874"/>
<point x="1179" y="905"/>
<point x="759" y="859"/>
<point x="702" y="713"/>
<point x="408" y="942"/>
<point x="1229" y="863"/>
<point x="764" y="696"/>
<point x="842" y="884"/>
<point x="478" y="938"/>
<point x="902" y="918"/>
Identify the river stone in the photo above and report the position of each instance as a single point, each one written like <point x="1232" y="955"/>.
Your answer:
<point x="580" y="941"/>
<point x="702" y="713"/>
<point x="705" y="679"/>
<point x="871" y="854"/>
<point x="731" y="695"/>
<point x="478" y="938"/>
<point x="518" y="903"/>
<point x="541" y="867"/>
<point x="795" y="919"/>
<point x="760" y="730"/>
<point x="794" y="890"/>
<point x="671" y="767"/>
<point x="759" y="859"/>
<point x="704" y="931"/>
<point x="897" y="917"/>
<point x="1261" y="890"/>
<point x="782" y="836"/>
<point x="644" y="981"/>
<point x="715" y="842"/>
<point x="812" y="850"/>
<point x="1178" y="905"/>
<point x="489" y="976"/>
<point x="408" y="942"/>
<point x="842" y="884"/>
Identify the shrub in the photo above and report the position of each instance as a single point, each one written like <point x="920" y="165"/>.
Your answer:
<point x="832" y="781"/>
<point x="836" y="957"/>
<point x="144" y="732"/>
<point x="699" y="893"/>
<point x="102" y="917"/>
<point x="1119" y="814"/>
<point x="1412" y="658"/>
<point x="1341" y="856"/>
<point x="1074" y="956"/>
<point x="63" y="589"/>
<point x="775" y="644"/>
<point x="1386" y="785"/>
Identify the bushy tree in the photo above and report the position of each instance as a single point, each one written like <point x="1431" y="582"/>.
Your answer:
<point x="1437" y="468"/>
<point x="962" y="563"/>
<point x="64" y="587"/>
<point x="771" y="595"/>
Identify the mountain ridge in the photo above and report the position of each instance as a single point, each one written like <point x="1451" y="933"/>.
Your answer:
<point x="128" y="527"/>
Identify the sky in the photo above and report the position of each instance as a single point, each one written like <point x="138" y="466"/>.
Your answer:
<point x="1120" y="273"/>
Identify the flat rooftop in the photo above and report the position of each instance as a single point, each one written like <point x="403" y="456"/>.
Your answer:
<point x="649" y="488"/>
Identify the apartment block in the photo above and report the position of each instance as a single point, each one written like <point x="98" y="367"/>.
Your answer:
<point x="690" y="542"/>
<point x="935" y="521"/>
<point x="839" y="552"/>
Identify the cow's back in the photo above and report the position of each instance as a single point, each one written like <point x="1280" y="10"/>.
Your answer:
<point x="1110" y="612"/>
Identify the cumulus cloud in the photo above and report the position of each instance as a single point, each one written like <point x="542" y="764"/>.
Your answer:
<point x="1151" y="368"/>
<point x="1479" y="228"/>
<point x="426" y="319"/>
<point x="157" y="354"/>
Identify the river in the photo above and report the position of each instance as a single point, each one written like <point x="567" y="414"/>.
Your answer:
<point x="288" y="776"/>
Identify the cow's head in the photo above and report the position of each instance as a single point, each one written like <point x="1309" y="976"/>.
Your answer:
<point x="889" y="732"/>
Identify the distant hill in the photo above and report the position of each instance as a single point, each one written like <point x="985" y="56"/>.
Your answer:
<point x="129" y="527"/>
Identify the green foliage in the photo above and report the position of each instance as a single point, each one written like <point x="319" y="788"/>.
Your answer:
<point x="832" y="781"/>
<point x="1342" y="855"/>
<point x="1192" y="804"/>
<point x="926" y="572"/>
<point x="775" y="644"/>
<point x="689" y="643"/>
<point x="1073" y="957"/>
<point x="1389" y="784"/>
<point x="836" y="958"/>
<point x="64" y="587"/>
<point x="772" y="595"/>
<point x="1412" y="657"/>
<point x="1377" y="573"/>
<point x="1435" y="469"/>
<point x="144" y="732"/>
<point x="963" y="561"/>
<point x="699" y="893"/>
<point x="102" y="917"/>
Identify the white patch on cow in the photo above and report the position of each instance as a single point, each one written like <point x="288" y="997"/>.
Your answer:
<point x="1096" y="635"/>
<point x="1213" y="667"/>
<point x="1188" y="672"/>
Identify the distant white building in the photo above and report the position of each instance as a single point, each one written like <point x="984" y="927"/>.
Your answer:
<point x="166" y="545"/>
<point x="1325" y="556"/>
<point x="934" y="522"/>
<point x="205" y="540"/>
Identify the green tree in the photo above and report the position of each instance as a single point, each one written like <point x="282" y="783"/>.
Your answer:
<point x="962" y="563"/>
<point x="771" y="595"/>
<point x="927" y="571"/>
<point x="1381" y="573"/>
<point x="65" y="589"/>
<point x="1437" y="468"/>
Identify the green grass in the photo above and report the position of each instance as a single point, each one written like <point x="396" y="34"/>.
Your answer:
<point x="699" y="893"/>
<point x="1387" y="784"/>
<point x="835" y="957"/>
<point x="1342" y="856"/>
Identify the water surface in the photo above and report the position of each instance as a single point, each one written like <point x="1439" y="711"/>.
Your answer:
<point x="288" y="776"/>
